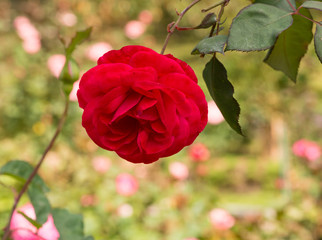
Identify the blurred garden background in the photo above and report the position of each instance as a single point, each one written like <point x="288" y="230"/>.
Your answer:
<point x="266" y="185"/>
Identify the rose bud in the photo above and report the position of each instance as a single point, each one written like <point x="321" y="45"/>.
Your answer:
<point x="141" y="104"/>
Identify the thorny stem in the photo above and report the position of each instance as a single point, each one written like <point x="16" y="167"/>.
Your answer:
<point x="34" y="172"/>
<point x="173" y="27"/>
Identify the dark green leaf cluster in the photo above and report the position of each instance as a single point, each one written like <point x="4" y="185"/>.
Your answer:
<point x="69" y="226"/>
<point x="280" y="26"/>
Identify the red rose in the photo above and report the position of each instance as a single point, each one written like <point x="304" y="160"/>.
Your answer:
<point x="141" y="104"/>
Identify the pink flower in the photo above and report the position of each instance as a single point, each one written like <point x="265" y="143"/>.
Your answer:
<point x="95" y="51"/>
<point x="179" y="170"/>
<point x="24" y="230"/>
<point x="221" y="219"/>
<point x="126" y="184"/>
<point x="307" y="149"/>
<point x="125" y="210"/>
<point x="67" y="18"/>
<point x="214" y="115"/>
<point x="199" y="152"/>
<point x="73" y="93"/>
<point x="28" y="33"/>
<point x="31" y="46"/>
<point x="134" y="29"/>
<point x="101" y="164"/>
<point x="55" y="64"/>
<point x="145" y="17"/>
<point x="88" y="200"/>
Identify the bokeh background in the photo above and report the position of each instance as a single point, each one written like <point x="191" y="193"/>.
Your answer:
<point x="224" y="186"/>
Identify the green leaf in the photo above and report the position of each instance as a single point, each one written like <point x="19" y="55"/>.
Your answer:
<point x="291" y="46"/>
<point x="221" y="90"/>
<point x="33" y="222"/>
<point x="256" y="27"/>
<point x="21" y="170"/>
<point x="312" y="4"/>
<point x="318" y="42"/>
<point x="210" y="45"/>
<point x="282" y="4"/>
<point x="40" y="203"/>
<point x="70" y="72"/>
<point x="80" y="37"/>
<point x="69" y="226"/>
<point x="89" y="238"/>
<point x="209" y="20"/>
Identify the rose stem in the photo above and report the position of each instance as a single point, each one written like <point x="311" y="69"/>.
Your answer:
<point x="34" y="172"/>
<point x="289" y="3"/>
<point x="174" y="26"/>
<point x="216" y="5"/>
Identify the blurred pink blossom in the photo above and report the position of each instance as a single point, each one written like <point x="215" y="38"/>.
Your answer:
<point x="101" y="164"/>
<point x="125" y="210"/>
<point x="214" y="115"/>
<point x="31" y="46"/>
<point x="28" y="33"/>
<point x="145" y="17"/>
<point x="134" y="29"/>
<point x="221" y="219"/>
<point x="73" y="93"/>
<point x="199" y="152"/>
<point x="179" y="170"/>
<point x="307" y="149"/>
<point x="88" y="200"/>
<point x="97" y="50"/>
<point x="67" y="18"/>
<point x="126" y="184"/>
<point x="22" y="229"/>
<point x="55" y="64"/>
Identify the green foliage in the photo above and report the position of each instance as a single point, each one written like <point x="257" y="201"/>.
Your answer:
<point x="318" y="42"/>
<point x="291" y="46"/>
<point x="33" y="222"/>
<point x="256" y="27"/>
<point x="209" y="20"/>
<point x="69" y="225"/>
<point x="21" y="170"/>
<point x="221" y="90"/>
<point x="70" y="72"/>
<point x="279" y="4"/>
<point x="211" y="45"/>
<point x="40" y="203"/>
<point x="313" y="5"/>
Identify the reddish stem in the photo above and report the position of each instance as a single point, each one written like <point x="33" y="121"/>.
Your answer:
<point x="34" y="172"/>
<point x="175" y="25"/>
<point x="289" y="3"/>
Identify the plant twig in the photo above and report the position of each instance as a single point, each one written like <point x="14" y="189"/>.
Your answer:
<point x="175" y="25"/>
<point x="316" y="22"/>
<point x="216" y="5"/>
<point x="34" y="172"/>
<point x="221" y="12"/>
<point x="289" y="3"/>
